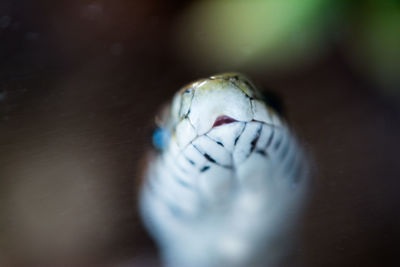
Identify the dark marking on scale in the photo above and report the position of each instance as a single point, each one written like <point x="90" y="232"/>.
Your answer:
<point x="270" y="137"/>
<point x="187" y="114"/>
<point x="209" y="158"/>
<point x="205" y="168"/>
<point x="255" y="139"/>
<point x="212" y="139"/>
<point x="182" y="169"/>
<point x="261" y="152"/>
<point x="278" y="143"/>
<point x="181" y="182"/>
<point x="190" y="161"/>
<point x="240" y="134"/>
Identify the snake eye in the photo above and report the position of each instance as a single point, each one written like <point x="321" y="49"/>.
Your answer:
<point x="274" y="101"/>
<point x="161" y="138"/>
<point x="187" y="91"/>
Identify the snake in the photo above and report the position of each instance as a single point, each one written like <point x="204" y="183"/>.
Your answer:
<point x="227" y="181"/>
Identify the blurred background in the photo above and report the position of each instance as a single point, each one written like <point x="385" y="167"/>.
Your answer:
<point x="80" y="82"/>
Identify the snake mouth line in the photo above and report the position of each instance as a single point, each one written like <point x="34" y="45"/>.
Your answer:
<point x="221" y="120"/>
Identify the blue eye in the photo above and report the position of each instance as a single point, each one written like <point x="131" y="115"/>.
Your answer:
<point x="161" y="138"/>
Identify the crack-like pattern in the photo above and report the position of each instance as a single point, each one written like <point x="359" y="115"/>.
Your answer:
<point x="292" y="165"/>
<point x="211" y="159"/>
<point x="240" y="134"/>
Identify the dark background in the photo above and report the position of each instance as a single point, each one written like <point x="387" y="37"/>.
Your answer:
<point x="80" y="83"/>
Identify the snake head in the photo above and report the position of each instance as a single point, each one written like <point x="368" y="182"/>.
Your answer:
<point x="230" y="179"/>
<point x="215" y="101"/>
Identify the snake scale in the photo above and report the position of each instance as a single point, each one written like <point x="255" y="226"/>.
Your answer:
<point x="229" y="181"/>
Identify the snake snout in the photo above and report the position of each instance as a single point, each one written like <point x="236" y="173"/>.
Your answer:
<point x="221" y="120"/>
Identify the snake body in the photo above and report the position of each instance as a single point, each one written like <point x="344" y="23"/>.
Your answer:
<point x="229" y="181"/>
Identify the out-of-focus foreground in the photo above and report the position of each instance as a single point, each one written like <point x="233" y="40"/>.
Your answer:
<point x="81" y="80"/>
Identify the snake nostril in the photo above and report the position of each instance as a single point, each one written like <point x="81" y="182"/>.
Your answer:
<point x="223" y="120"/>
